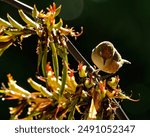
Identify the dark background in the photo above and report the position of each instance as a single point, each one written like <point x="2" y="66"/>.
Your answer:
<point x="125" y="23"/>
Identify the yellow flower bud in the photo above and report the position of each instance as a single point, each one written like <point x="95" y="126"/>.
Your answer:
<point x="82" y="70"/>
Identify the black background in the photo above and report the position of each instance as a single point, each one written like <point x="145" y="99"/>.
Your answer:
<point x="125" y="23"/>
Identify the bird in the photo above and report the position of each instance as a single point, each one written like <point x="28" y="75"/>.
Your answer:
<point x="107" y="58"/>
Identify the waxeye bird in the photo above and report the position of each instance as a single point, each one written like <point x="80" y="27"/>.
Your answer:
<point x="107" y="58"/>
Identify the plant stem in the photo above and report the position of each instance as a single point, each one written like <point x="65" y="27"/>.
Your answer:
<point x="72" y="49"/>
<point x="19" y="5"/>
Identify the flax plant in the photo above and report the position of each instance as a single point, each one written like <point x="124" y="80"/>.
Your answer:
<point x="60" y="96"/>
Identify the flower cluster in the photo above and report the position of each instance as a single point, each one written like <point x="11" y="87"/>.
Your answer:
<point x="64" y="93"/>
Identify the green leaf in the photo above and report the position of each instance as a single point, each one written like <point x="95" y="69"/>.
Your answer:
<point x="44" y="61"/>
<point x="58" y="11"/>
<point x="55" y="60"/>
<point x="35" y="12"/>
<point x="64" y="71"/>
<point x="59" y="24"/>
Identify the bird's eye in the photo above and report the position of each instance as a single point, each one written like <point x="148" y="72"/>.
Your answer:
<point x="101" y="53"/>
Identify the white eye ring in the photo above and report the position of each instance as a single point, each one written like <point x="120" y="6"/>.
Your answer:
<point x="100" y="53"/>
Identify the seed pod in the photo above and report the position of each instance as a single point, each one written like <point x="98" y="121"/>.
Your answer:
<point x="39" y="88"/>
<point x="27" y="20"/>
<point x="5" y="38"/>
<point x="58" y="11"/>
<point x="14" y="23"/>
<point x="14" y="87"/>
<point x="4" y="23"/>
<point x="35" y="12"/>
